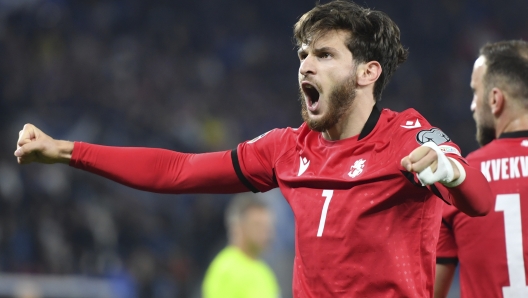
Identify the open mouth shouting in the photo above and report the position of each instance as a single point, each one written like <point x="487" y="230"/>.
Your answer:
<point x="311" y="95"/>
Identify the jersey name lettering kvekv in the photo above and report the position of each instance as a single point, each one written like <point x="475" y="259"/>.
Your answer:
<point x="493" y="250"/>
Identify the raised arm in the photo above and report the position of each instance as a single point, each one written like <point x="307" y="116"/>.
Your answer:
<point x="467" y="186"/>
<point x="150" y="169"/>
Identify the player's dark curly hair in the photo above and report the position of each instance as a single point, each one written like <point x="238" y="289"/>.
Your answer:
<point x="374" y="36"/>
<point x="507" y="67"/>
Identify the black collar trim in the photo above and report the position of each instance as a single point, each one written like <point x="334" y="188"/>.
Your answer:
<point x="371" y="122"/>
<point x="514" y="134"/>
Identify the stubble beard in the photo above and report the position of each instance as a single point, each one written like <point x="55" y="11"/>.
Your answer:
<point x="339" y="103"/>
<point x="485" y="126"/>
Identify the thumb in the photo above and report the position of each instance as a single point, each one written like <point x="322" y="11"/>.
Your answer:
<point x="28" y="153"/>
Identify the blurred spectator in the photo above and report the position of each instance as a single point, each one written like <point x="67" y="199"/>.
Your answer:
<point x="237" y="271"/>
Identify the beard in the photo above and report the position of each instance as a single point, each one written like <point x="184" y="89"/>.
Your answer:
<point x="339" y="102"/>
<point x="485" y="126"/>
<point x="485" y="134"/>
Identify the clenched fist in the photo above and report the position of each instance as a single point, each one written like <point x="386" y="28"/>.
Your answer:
<point x="431" y="164"/>
<point x="35" y="146"/>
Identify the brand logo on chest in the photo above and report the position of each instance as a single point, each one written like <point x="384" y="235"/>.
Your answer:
<point x="303" y="165"/>
<point x="357" y="168"/>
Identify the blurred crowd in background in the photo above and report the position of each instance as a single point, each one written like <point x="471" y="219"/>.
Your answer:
<point x="191" y="76"/>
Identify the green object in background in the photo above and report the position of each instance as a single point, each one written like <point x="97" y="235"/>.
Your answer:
<point x="232" y="274"/>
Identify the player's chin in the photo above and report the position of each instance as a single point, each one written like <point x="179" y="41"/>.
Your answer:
<point x="317" y="125"/>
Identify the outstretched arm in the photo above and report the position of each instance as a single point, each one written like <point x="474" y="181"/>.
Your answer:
<point x="150" y="169"/>
<point x="467" y="186"/>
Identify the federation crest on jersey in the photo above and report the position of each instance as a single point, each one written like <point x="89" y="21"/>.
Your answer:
<point x="434" y="135"/>
<point x="357" y="168"/>
<point x="258" y="138"/>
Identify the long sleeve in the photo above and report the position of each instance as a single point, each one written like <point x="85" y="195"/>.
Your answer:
<point x="473" y="196"/>
<point x="159" y="170"/>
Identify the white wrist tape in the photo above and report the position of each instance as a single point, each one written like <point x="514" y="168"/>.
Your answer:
<point x="444" y="172"/>
<point x="462" y="176"/>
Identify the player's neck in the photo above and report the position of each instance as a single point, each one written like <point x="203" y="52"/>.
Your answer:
<point x="353" y="122"/>
<point x="516" y="122"/>
<point x="246" y="249"/>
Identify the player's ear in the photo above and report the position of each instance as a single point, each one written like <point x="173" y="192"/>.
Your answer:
<point x="368" y="73"/>
<point x="497" y="101"/>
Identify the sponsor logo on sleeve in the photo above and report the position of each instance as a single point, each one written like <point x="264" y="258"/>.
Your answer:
<point x="412" y="124"/>
<point x="449" y="149"/>
<point x="258" y="138"/>
<point x="434" y="135"/>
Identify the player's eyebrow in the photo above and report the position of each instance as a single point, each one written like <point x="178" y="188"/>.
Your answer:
<point x="324" y="50"/>
<point x="317" y="51"/>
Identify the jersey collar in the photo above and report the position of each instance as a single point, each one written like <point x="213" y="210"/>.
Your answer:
<point x="371" y="122"/>
<point x="514" y="134"/>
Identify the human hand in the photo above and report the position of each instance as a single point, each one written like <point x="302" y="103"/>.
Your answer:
<point x="431" y="164"/>
<point x="35" y="146"/>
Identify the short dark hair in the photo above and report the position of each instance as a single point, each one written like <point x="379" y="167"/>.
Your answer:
<point x="373" y="35"/>
<point x="507" y="67"/>
<point x="240" y="204"/>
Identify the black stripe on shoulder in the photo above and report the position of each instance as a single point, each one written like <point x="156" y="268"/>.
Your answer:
<point x="238" y="171"/>
<point x="447" y="261"/>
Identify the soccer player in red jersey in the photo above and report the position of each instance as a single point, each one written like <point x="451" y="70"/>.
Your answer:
<point x="492" y="250"/>
<point x="366" y="185"/>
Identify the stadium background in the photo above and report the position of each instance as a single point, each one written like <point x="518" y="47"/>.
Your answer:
<point x="191" y="76"/>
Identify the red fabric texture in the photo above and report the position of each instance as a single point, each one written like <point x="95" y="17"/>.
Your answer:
<point x="159" y="170"/>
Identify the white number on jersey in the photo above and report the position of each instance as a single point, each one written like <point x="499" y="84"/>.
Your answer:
<point x="328" y="194"/>
<point x="510" y="204"/>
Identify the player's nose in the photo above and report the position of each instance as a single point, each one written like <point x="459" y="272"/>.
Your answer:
<point x="307" y="66"/>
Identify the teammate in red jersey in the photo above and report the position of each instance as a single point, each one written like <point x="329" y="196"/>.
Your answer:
<point x="492" y="250"/>
<point x="363" y="183"/>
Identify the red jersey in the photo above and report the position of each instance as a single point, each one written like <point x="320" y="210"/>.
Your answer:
<point x="364" y="226"/>
<point x="363" y="229"/>
<point x="492" y="250"/>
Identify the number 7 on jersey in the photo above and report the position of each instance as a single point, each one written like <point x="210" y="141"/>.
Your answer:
<point x="328" y="195"/>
